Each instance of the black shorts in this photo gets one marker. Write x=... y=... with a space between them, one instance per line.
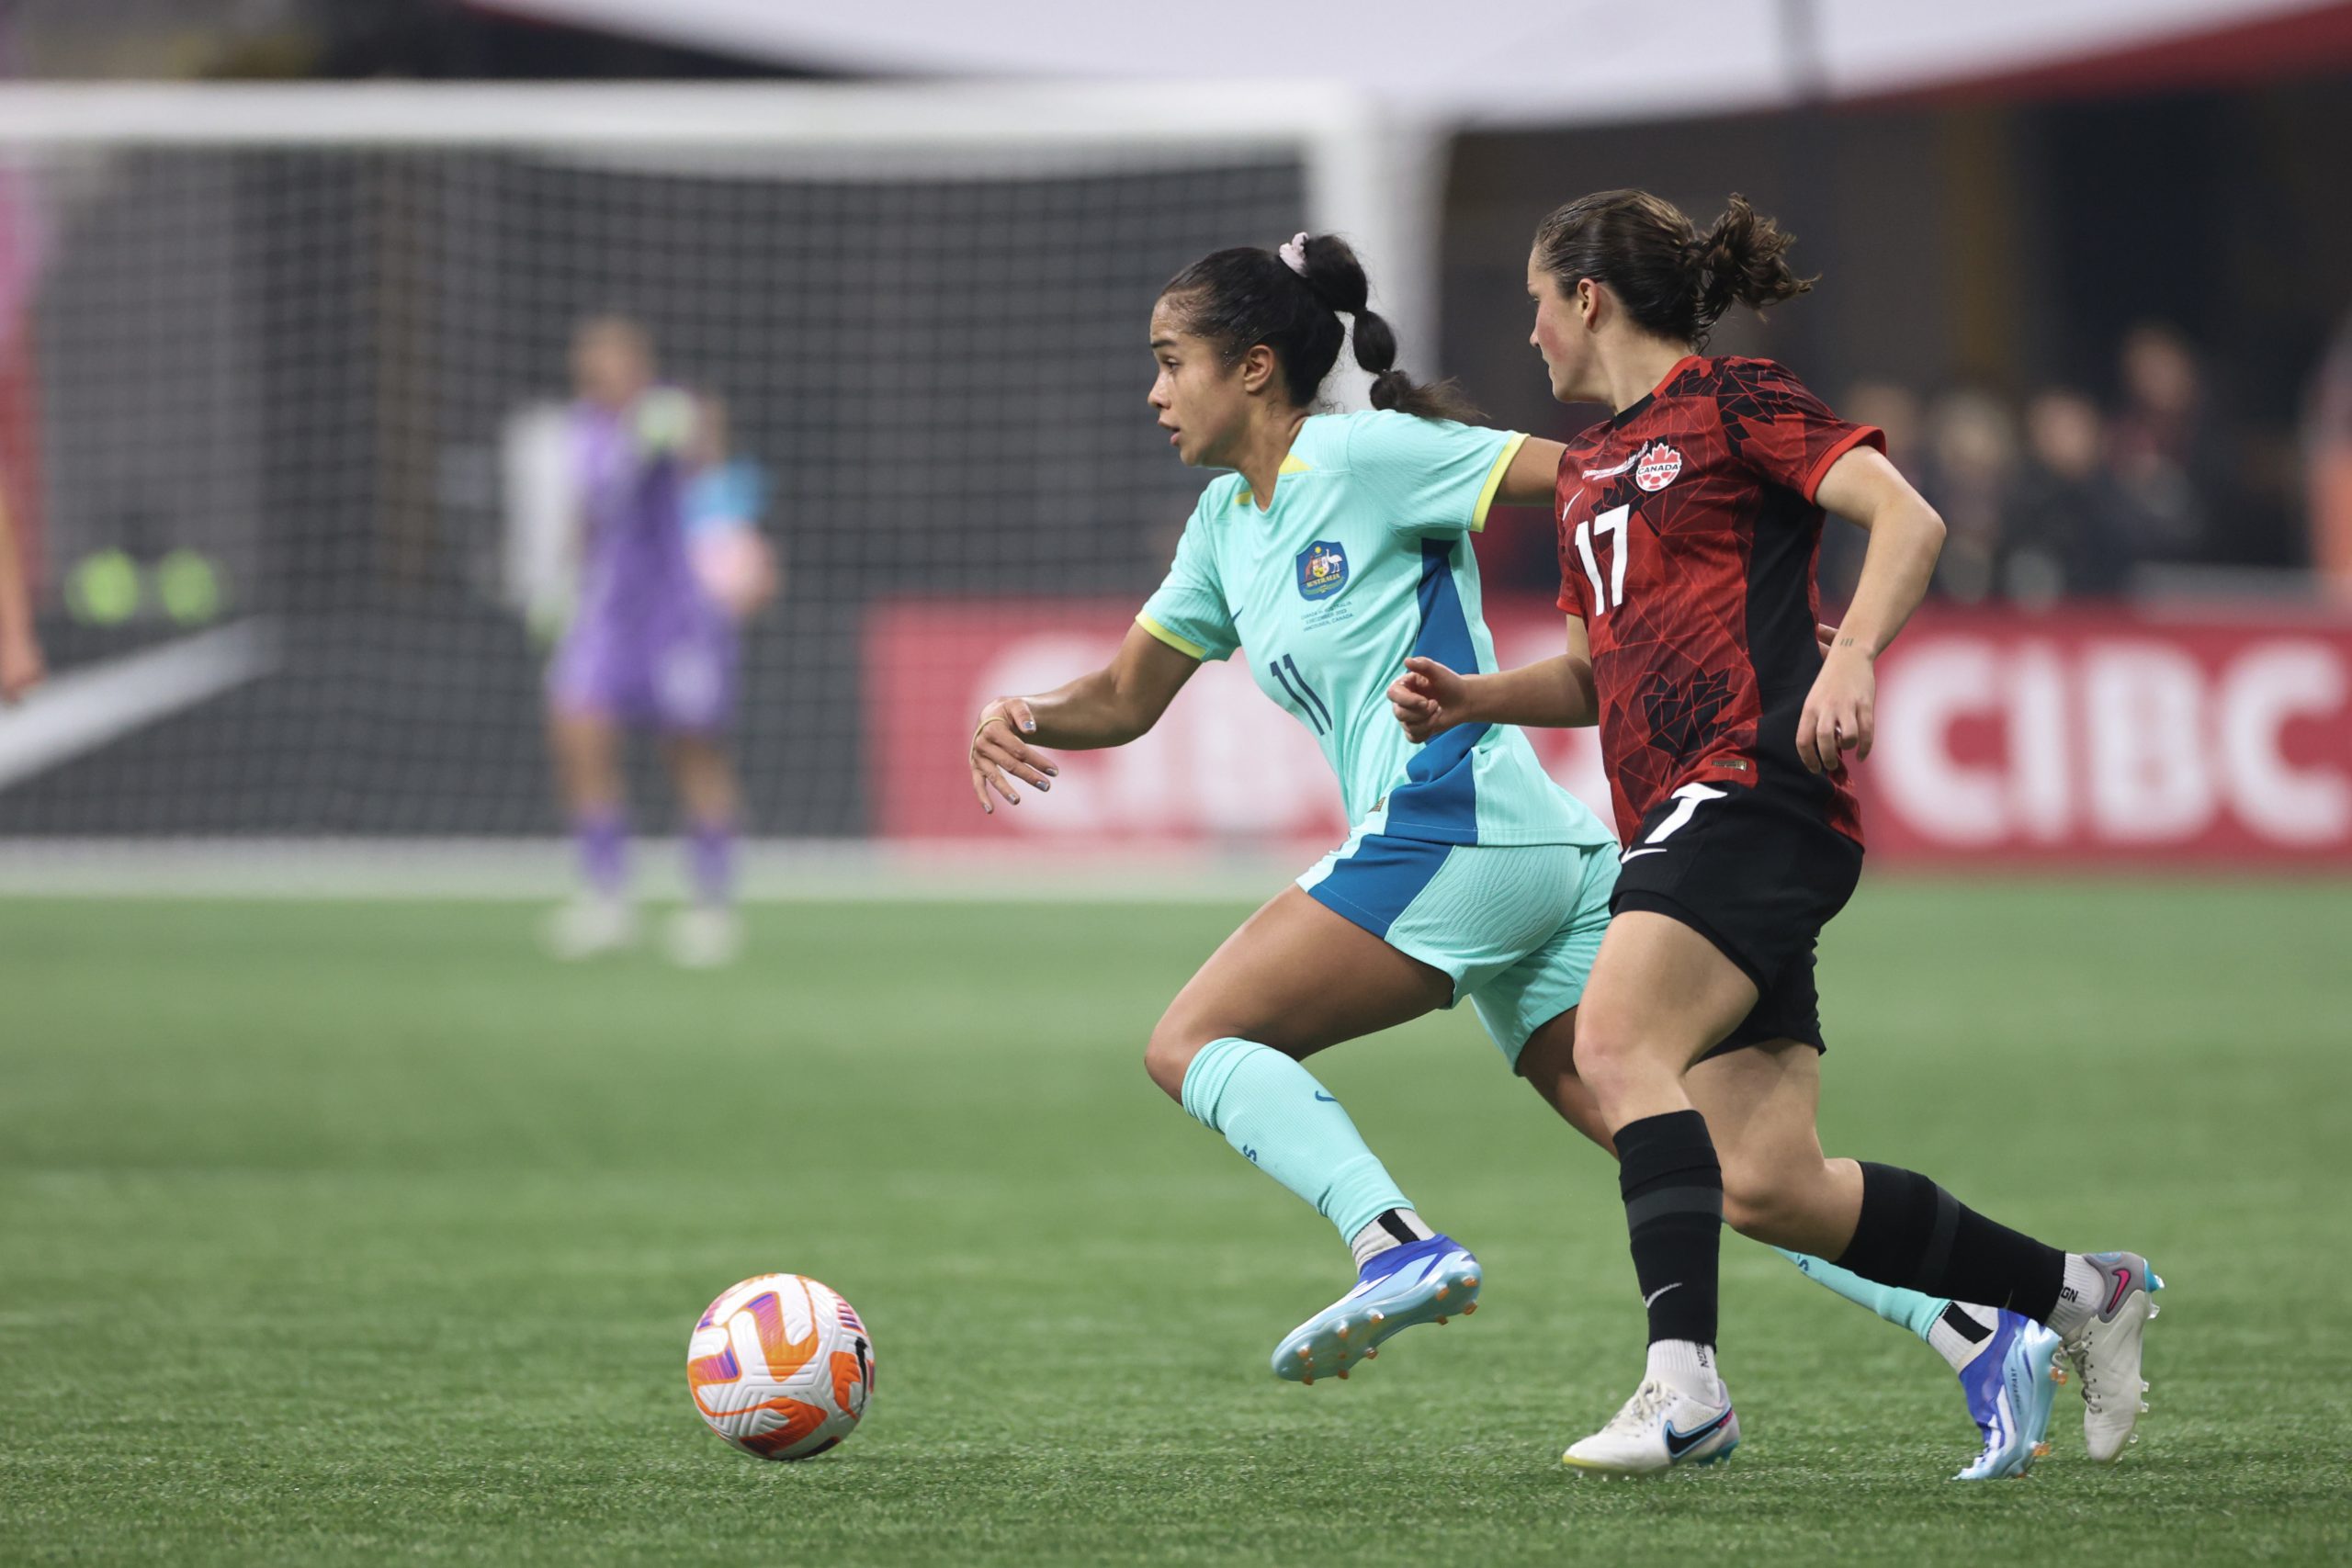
x=1755 y=874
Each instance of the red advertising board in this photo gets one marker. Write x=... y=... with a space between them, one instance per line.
x=2077 y=737
x=2088 y=736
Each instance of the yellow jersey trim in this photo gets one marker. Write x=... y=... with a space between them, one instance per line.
x=1292 y=463
x=1495 y=478
x=1180 y=643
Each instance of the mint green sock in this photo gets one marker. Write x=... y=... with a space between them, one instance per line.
x=1283 y=1122
x=1913 y=1310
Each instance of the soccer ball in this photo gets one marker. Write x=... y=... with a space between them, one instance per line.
x=780 y=1366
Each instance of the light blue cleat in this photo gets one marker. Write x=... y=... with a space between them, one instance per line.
x=1419 y=1282
x=2010 y=1387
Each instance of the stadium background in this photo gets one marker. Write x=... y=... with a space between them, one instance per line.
x=295 y=363
x=421 y=1216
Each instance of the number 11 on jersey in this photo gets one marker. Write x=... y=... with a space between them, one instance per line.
x=1611 y=591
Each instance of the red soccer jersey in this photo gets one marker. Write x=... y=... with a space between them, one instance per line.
x=1688 y=540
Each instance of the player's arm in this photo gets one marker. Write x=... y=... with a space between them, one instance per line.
x=1108 y=708
x=1535 y=470
x=20 y=663
x=1552 y=694
x=1905 y=538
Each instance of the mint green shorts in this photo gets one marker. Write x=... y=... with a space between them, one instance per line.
x=1515 y=927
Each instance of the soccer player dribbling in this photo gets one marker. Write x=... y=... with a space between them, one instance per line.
x=1690 y=522
x=650 y=645
x=1333 y=551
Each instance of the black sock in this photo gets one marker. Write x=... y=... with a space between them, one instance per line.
x=1673 y=1187
x=1916 y=1235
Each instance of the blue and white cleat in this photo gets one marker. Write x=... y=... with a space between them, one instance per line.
x=1419 y=1282
x=2010 y=1387
x=1658 y=1428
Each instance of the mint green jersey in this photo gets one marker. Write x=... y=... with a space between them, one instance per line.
x=1363 y=558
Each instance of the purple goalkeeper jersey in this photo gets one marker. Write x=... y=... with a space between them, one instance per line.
x=648 y=646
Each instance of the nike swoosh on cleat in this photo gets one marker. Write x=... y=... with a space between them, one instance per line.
x=2122 y=1286
x=1327 y=1098
x=1653 y=1295
x=1680 y=1443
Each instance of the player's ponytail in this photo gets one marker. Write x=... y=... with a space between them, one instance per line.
x=1291 y=300
x=1742 y=259
x=1338 y=280
x=1672 y=280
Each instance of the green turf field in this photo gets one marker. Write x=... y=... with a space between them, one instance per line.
x=357 y=1232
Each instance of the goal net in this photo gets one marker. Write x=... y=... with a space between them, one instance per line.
x=281 y=381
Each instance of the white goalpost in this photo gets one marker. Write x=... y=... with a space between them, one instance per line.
x=268 y=346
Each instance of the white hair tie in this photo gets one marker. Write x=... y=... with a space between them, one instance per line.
x=1295 y=253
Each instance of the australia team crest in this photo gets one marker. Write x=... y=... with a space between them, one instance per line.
x=1322 y=569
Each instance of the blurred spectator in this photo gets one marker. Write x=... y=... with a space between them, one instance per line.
x=2070 y=527
x=2067 y=499
x=1971 y=459
x=2170 y=458
x=2327 y=437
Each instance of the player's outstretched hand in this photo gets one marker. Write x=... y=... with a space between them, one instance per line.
x=998 y=749
x=1428 y=698
x=1838 y=712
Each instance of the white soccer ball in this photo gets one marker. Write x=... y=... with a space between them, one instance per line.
x=780 y=1366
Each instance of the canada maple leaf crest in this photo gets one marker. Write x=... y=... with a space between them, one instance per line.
x=1656 y=467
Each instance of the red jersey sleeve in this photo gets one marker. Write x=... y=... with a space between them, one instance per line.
x=1572 y=596
x=1781 y=430
x=1572 y=583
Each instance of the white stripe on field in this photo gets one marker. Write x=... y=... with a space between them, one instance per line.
x=507 y=869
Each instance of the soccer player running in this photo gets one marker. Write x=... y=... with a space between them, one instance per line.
x=1334 y=550
x=1690 y=521
x=648 y=645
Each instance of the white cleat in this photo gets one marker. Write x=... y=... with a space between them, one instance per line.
x=1658 y=1428
x=590 y=927
x=704 y=938
x=2106 y=1354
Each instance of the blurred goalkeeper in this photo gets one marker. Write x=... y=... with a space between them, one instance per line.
x=652 y=645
